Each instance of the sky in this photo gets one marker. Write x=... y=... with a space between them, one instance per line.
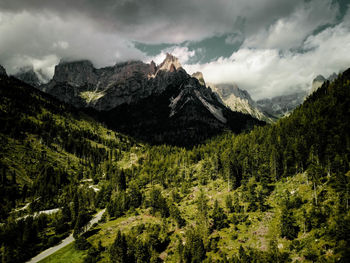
x=267 y=47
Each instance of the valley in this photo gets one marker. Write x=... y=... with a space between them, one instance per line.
x=265 y=193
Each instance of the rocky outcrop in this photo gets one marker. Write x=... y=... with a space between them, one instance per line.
x=77 y=73
x=199 y=75
x=234 y=98
x=170 y=63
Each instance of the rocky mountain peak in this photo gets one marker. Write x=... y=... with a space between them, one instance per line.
x=281 y=106
x=317 y=83
x=226 y=90
x=2 y=71
x=153 y=67
x=199 y=75
x=238 y=100
x=319 y=78
x=333 y=77
x=76 y=73
x=29 y=76
x=170 y=63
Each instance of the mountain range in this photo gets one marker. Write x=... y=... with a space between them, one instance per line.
x=154 y=103
x=161 y=103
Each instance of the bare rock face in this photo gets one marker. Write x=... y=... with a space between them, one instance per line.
x=106 y=88
x=153 y=67
x=2 y=71
x=238 y=100
x=199 y=75
x=234 y=98
x=76 y=73
x=170 y=63
x=82 y=85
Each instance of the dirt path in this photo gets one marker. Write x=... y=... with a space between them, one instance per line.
x=65 y=241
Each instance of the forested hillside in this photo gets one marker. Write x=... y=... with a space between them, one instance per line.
x=51 y=157
x=279 y=193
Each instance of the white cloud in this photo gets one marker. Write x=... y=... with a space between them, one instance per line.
x=38 y=38
x=182 y=53
x=270 y=72
x=45 y=64
x=163 y=21
x=61 y=44
x=290 y=31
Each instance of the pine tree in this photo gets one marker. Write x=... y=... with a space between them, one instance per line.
x=194 y=251
x=289 y=229
x=118 y=250
x=219 y=217
x=229 y=203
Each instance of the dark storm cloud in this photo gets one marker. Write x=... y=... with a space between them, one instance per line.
x=41 y=32
x=156 y=21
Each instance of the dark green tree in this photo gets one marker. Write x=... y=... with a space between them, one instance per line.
x=219 y=217
x=289 y=228
x=194 y=251
x=118 y=250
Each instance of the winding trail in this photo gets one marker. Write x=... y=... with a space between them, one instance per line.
x=65 y=241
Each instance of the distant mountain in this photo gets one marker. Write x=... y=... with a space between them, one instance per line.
x=280 y=106
x=31 y=77
x=317 y=83
x=319 y=80
x=238 y=100
x=154 y=103
x=333 y=77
